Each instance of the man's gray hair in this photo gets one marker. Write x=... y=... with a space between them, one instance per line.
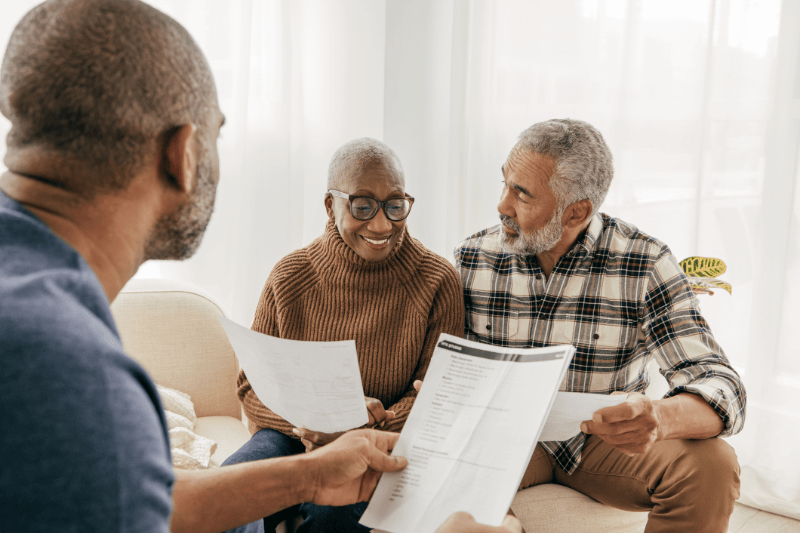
x=355 y=156
x=584 y=164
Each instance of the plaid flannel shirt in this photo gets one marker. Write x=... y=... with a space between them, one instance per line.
x=620 y=297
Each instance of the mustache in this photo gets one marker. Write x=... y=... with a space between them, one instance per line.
x=510 y=222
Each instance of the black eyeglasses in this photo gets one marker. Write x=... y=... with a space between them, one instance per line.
x=366 y=207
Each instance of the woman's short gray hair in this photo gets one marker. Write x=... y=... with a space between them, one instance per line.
x=584 y=164
x=355 y=156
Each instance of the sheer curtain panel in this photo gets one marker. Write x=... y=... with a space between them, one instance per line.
x=698 y=99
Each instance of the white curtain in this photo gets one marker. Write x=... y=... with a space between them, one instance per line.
x=698 y=99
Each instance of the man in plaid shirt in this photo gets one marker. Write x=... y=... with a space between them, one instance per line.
x=556 y=271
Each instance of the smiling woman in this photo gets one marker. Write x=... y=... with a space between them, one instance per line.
x=366 y=279
x=370 y=171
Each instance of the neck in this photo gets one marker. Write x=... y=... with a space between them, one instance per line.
x=548 y=259
x=109 y=231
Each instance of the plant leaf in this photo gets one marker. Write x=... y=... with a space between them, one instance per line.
x=703 y=267
x=722 y=285
x=706 y=283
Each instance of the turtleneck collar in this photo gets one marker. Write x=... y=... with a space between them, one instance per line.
x=402 y=260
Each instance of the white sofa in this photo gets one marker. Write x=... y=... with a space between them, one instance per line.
x=171 y=328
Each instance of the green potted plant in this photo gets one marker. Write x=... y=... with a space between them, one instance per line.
x=702 y=273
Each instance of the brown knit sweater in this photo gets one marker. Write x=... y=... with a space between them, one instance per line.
x=395 y=310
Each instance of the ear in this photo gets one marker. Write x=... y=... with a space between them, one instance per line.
x=180 y=158
x=329 y=205
x=578 y=214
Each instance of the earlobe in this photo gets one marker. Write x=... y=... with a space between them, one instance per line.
x=180 y=157
x=329 y=205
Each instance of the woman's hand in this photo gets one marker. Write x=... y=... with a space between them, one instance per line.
x=378 y=416
x=312 y=440
x=315 y=439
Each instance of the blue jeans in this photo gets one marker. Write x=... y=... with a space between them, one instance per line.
x=268 y=443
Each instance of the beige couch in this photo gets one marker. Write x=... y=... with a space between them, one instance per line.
x=171 y=328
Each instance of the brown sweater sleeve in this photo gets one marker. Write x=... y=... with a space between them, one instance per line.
x=258 y=414
x=446 y=316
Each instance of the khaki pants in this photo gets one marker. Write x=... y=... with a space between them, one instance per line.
x=686 y=485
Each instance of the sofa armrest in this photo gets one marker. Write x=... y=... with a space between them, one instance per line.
x=171 y=328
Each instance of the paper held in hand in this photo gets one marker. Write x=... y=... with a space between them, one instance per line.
x=313 y=385
x=470 y=435
x=570 y=409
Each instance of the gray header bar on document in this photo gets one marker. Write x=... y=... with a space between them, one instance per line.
x=555 y=353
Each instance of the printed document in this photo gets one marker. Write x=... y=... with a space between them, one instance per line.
x=313 y=385
x=470 y=435
x=572 y=408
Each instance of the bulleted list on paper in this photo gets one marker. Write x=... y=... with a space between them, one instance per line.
x=469 y=436
x=315 y=385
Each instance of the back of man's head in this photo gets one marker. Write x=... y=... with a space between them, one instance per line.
x=97 y=84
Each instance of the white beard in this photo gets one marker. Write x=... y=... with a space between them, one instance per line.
x=536 y=242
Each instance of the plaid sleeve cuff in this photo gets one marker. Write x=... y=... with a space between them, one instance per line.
x=725 y=396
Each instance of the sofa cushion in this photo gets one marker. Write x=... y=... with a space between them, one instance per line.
x=552 y=508
x=229 y=433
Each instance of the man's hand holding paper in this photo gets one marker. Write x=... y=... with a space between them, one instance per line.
x=570 y=410
x=348 y=470
x=631 y=427
x=629 y=422
x=635 y=426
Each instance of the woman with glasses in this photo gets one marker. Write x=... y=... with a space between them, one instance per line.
x=366 y=279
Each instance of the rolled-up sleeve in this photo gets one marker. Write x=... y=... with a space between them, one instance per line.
x=684 y=347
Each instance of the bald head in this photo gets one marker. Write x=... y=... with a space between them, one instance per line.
x=99 y=83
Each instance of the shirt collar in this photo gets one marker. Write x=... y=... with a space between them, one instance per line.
x=585 y=245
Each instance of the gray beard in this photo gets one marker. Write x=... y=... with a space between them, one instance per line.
x=533 y=243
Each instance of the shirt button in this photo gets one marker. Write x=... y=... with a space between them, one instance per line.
x=596 y=336
x=488 y=326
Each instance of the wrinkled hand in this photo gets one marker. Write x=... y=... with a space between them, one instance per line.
x=378 y=416
x=315 y=439
x=462 y=522
x=347 y=470
x=631 y=427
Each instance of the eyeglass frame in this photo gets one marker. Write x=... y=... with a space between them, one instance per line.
x=381 y=204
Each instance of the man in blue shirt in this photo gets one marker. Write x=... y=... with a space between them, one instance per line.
x=112 y=160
